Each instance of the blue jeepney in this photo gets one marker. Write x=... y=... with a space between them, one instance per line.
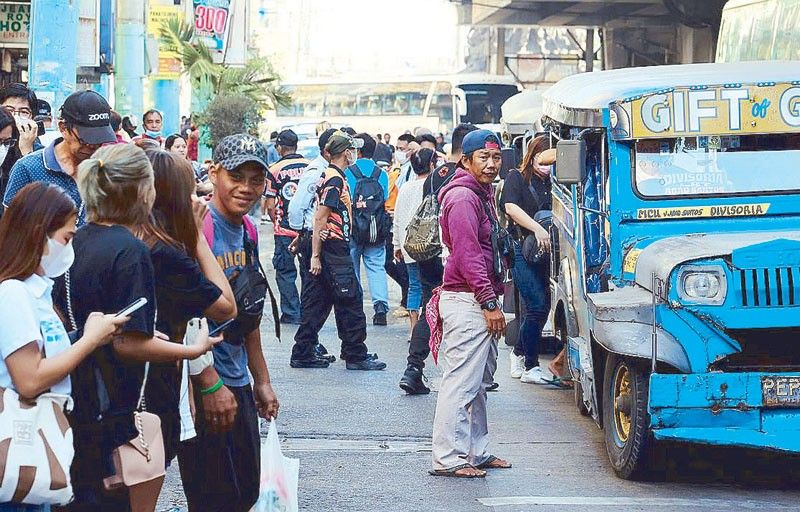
x=676 y=262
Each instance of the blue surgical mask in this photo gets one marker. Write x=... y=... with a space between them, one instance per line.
x=153 y=134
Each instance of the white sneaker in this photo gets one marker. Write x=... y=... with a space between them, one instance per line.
x=517 y=365
x=533 y=376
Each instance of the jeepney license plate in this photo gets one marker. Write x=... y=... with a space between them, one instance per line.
x=780 y=391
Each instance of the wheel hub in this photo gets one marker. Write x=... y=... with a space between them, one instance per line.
x=622 y=403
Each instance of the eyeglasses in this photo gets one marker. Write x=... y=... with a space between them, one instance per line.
x=9 y=142
x=24 y=113
x=83 y=142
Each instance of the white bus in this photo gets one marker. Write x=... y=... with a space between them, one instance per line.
x=394 y=106
x=759 y=30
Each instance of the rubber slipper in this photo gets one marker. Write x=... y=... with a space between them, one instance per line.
x=452 y=472
x=487 y=464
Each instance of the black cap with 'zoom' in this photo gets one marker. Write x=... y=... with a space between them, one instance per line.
x=91 y=115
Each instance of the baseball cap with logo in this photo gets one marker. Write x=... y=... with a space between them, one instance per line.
x=286 y=138
x=43 y=109
x=235 y=150
x=341 y=142
x=91 y=115
x=480 y=139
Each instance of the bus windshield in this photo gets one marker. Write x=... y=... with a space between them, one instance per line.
x=759 y=30
x=484 y=102
x=702 y=166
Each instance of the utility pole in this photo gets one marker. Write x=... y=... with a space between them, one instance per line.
x=53 y=51
x=130 y=54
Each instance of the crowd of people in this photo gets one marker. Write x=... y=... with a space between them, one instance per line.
x=131 y=283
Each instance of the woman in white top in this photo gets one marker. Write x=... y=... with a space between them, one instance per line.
x=35 y=246
x=408 y=200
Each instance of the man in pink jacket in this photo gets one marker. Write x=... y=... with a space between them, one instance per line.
x=472 y=320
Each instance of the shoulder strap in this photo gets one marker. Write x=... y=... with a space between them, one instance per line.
x=356 y=171
x=376 y=173
x=252 y=232
x=208 y=230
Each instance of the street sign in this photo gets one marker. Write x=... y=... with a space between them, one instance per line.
x=168 y=63
x=15 y=20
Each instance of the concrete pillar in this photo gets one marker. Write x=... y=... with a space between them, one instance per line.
x=500 y=52
x=53 y=47
x=130 y=58
x=166 y=98
x=695 y=45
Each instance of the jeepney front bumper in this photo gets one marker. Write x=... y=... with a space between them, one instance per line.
x=756 y=410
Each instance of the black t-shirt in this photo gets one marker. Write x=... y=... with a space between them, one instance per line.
x=531 y=198
x=112 y=269
x=439 y=178
x=182 y=293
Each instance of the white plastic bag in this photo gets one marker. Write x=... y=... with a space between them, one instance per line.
x=279 y=477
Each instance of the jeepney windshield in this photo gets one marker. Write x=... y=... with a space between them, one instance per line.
x=714 y=165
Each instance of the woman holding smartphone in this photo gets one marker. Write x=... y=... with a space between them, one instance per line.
x=189 y=282
x=112 y=269
x=36 y=246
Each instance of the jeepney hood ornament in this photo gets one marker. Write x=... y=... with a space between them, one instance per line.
x=663 y=256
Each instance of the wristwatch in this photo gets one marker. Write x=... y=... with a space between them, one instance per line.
x=489 y=305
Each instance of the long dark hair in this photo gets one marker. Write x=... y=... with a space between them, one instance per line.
x=172 y=220
x=14 y=153
x=535 y=146
x=35 y=213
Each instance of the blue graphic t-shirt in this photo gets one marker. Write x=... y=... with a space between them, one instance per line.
x=230 y=359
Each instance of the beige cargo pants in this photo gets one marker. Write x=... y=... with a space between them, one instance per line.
x=468 y=359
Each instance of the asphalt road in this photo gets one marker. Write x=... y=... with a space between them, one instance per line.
x=365 y=446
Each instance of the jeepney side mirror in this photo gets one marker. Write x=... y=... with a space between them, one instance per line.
x=571 y=162
x=461 y=101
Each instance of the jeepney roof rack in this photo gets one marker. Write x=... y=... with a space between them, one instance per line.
x=580 y=100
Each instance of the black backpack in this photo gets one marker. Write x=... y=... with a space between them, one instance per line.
x=371 y=223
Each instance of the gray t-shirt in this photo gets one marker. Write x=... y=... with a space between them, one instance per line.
x=230 y=359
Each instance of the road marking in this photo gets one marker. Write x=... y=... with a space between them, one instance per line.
x=355 y=445
x=608 y=501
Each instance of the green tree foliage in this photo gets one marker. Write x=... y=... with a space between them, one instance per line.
x=257 y=80
x=228 y=114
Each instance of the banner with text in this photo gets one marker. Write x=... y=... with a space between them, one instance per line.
x=169 y=62
x=15 y=20
x=211 y=21
x=718 y=110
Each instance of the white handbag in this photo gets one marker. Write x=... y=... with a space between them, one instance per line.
x=36 y=449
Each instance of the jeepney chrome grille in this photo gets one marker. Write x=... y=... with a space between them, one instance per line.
x=763 y=287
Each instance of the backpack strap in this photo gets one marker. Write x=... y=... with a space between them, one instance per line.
x=356 y=172
x=208 y=230
x=376 y=173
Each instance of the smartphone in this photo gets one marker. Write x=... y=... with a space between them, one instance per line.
x=221 y=327
x=133 y=306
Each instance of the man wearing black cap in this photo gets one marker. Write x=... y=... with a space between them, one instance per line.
x=281 y=188
x=332 y=283
x=85 y=125
x=220 y=468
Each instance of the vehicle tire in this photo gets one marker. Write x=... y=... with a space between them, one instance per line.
x=625 y=418
x=578 y=390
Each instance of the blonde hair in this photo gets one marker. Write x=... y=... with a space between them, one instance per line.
x=116 y=185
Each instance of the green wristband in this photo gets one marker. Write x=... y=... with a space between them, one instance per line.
x=213 y=388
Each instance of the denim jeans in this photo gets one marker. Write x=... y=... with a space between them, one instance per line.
x=533 y=284
x=286 y=276
x=374 y=259
x=397 y=271
x=414 y=287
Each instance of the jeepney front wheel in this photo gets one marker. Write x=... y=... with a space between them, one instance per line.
x=625 y=418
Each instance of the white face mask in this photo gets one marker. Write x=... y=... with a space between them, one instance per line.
x=3 y=153
x=58 y=258
x=401 y=157
x=351 y=158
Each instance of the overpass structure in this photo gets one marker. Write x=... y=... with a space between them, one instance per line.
x=609 y=33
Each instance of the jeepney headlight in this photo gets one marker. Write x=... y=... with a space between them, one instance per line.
x=702 y=284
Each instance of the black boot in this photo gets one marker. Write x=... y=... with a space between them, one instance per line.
x=412 y=382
